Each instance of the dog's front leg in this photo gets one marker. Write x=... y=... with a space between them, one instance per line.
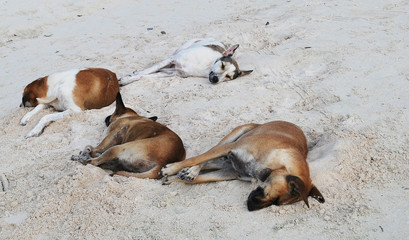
x=114 y=138
x=28 y=115
x=45 y=121
x=83 y=156
x=109 y=155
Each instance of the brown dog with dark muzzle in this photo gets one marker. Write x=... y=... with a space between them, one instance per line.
x=274 y=153
x=136 y=146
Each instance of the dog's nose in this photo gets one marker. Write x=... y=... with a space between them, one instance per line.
x=213 y=79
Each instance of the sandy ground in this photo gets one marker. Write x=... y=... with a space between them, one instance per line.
x=338 y=69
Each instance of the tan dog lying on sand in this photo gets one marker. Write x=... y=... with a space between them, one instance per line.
x=274 y=153
x=136 y=146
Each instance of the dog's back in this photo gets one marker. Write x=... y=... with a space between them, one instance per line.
x=95 y=88
x=162 y=144
x=282 y=134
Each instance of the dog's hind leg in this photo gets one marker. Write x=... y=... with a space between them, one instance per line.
x=152 y=173
x=237 y=133
x=168 y=72
x=139 y=75
x=215 y=176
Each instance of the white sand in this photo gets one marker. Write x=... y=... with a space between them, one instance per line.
x=338 y=70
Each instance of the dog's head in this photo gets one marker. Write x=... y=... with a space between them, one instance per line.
x=33 y=91
x=226 y=68
x=281 y=190
x=122 y=111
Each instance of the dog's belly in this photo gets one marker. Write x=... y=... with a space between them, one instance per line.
x=196 y=61
x=244 y=163
x=135 y=160
x=138 y=166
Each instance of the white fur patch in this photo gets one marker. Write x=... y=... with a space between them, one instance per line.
x=278 y=158
x=245 y=163
x=60 y=87
x=229 y=68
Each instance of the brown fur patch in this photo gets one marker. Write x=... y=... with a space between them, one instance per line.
x=95 y=88
x=36 y=89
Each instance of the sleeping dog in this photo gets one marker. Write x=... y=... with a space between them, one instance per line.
x=70 y=91
x=274 y=153
x=135 y=146
x=196 y=58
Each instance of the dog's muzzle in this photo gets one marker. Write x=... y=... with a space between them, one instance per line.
x=26 y=104
x=254 y=201
x=213 y=78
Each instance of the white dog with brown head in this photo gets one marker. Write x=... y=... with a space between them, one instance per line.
x=196 y=58
x=69 y=91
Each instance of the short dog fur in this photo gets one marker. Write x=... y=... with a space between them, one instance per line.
x=204 y=57
x=135 y=146
x=274 y=153
x=69 y=91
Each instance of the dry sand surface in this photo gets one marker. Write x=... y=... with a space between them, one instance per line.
x=338 y=69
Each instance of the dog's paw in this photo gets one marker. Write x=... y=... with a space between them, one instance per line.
x=80 y=158
x=125 y=80
x=34 y=133
x=88 y=149
x=169 y=170
x=23 y=122
x=169 y=179
x=165 y=179
x=84 y=156
x=189 y=174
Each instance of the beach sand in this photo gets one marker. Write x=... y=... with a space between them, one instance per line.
x=337 y=69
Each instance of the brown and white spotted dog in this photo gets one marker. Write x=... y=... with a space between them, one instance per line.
x=69 y=91
x=274 y=153
x=135 y=146
x=196 y=58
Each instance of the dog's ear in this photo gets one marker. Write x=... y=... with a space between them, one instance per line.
x=108 y=120
x=229 y=52
x=264 y=174
x=244 y=73
x=297 y=188
x=154 y=118
x=316 y=194
x=120 y=106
